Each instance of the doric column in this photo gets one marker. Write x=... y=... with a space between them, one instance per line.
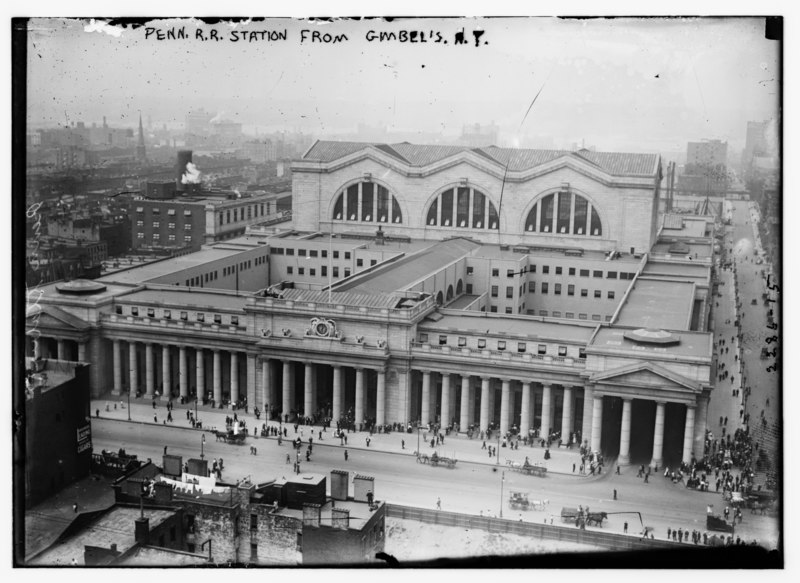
x=484 y=402
x=566 y=415
x=426 y=398
x=149 y=381
x=525 y=409
x=217 y=378
x=359 y=395
x=200 y=370
x=166 y=373
x=504 y=398
x=117 y=367
x=445 y=400
x=465 y=399
x=287 y=387
x=308 y=397
x=658 y=436
x=688 y=434
x=597 y=422
x=588 y=409
x=132 y=368
x=546 y=396
x=61 y=348
x=700 y=422
x=471 y=404
x=250 y=386
x=380 y=405
x=625 y=433
x=337 y=392
x=82 y=351
x=265 y=387
x=183 y=374
x=234 y=377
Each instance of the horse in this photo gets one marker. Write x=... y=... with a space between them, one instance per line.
x=596 y=518
x=539 y=504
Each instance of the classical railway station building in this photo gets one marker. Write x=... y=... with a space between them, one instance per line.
x=530 y=289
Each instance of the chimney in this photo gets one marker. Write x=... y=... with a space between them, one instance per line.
x=340 y=518
x=362 y=485
x=142 y=531
x=339 y=484
x=312 y=514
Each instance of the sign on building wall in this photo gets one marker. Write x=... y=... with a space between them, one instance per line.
x=84 y=438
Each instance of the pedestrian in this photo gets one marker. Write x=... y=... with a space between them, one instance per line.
x=625 y=528
x=438 y=504
x=345 y=455
x=573 y=469
x=402 y=444
x=165 y=450
x=97 y=413
x=669 y=532
x=615 y=494
x=155 y=418
x=484 y=445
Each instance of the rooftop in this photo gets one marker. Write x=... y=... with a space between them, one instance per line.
x=359 y=513
x=660 y=304
x=697 y=344
x=189 y=298
x=515 y=160
x=530 y=327
x=358 y=299
x=116 y=526
x=150 y=271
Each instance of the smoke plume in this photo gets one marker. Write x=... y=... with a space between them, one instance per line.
x=192 y=174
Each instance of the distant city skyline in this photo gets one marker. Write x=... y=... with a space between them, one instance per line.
x=621 y=84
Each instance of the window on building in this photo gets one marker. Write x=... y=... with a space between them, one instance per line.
x=234 y=320
x=313 y=253
x=533 y=268
x=254 y=522
x=187 y=213
x=469 y=289
x=556 y=314
x=139 y=209
x=545 y=287
x=582 y=316
x=562 y=350
x=570 y=314
x=584 y=273
x=289 y=251
x=253 y=551
x=597 y=273
x=442 y=339
x=118 y=309
x=324 y=254
x=509 y=292
x=557 y=289
x=598 y=293
x=336 y=255
x=347 y=254
x=151 y=312
x=187 y=239
x=312 y=272
x=545 y=269
x=495 y=271
x=481 y=342
x=140 y=223
x=494 y=291
x=510 y=273
x=140 y=235
x=156 y=224
x=324 y=270
x=156 y=210
x=301 y=271
x=290 y=269
x=596 y=317
x=571 y=271
x=521 y=347
x=184 y=315
x=470 y=270
x=134 y=311
x=462 y=341
x=423 y=337
x=347 y=272
x=558 y=271
x=611 y=275
x=509 y=310
x=217 y=319
x=541 y=349
x=570 y=289
x=335 y=272
x=543 y=312
x=171 y=238
x=501 y=345
x=493 y=309
x=200 y=317
x=301 y=252
x=611 y=295
x=359 y=262
x=584 y=293
x=170 y=225
x=581 y=353
x=532 y=287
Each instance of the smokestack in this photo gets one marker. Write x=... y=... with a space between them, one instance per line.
x=142 y=530
x=184 y=158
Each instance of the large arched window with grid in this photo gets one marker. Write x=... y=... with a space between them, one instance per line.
x=564 y=213
x=462 y=207
x=367 y=202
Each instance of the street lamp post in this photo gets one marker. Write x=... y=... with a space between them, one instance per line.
x=502 y=483
x=129 y=405
x=418 y=438
x=202 y=444
x=196 y=419
x=497 y=449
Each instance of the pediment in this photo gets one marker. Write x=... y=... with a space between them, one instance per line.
x=646 y=375
x=51 y=317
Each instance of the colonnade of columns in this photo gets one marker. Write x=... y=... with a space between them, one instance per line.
x=40 y=348
x=184 y=375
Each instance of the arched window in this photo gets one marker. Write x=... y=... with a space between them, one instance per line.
x=564 y=213
x=439 y=299
x=367 y=202
x=464 y=208
x=449 y=292
x=459 y=287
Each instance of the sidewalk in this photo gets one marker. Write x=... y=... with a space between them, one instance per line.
x=455 y=446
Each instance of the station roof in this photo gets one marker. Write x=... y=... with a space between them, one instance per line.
x=529 y=327
x=514 y=159
x=357 y=299
x=404 y=272
x=189 y=298
x=697 y=344
x=150 y=271
x=657 y=303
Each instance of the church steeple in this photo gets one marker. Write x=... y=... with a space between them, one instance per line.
x=141 y=152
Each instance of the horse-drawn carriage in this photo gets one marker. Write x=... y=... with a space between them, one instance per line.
x=718 y=523
x=435 y=459
x=230 y=437
x=527 y=468
x=519 y=501
x=581 y=517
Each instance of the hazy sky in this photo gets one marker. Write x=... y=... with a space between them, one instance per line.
x=621 y=83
